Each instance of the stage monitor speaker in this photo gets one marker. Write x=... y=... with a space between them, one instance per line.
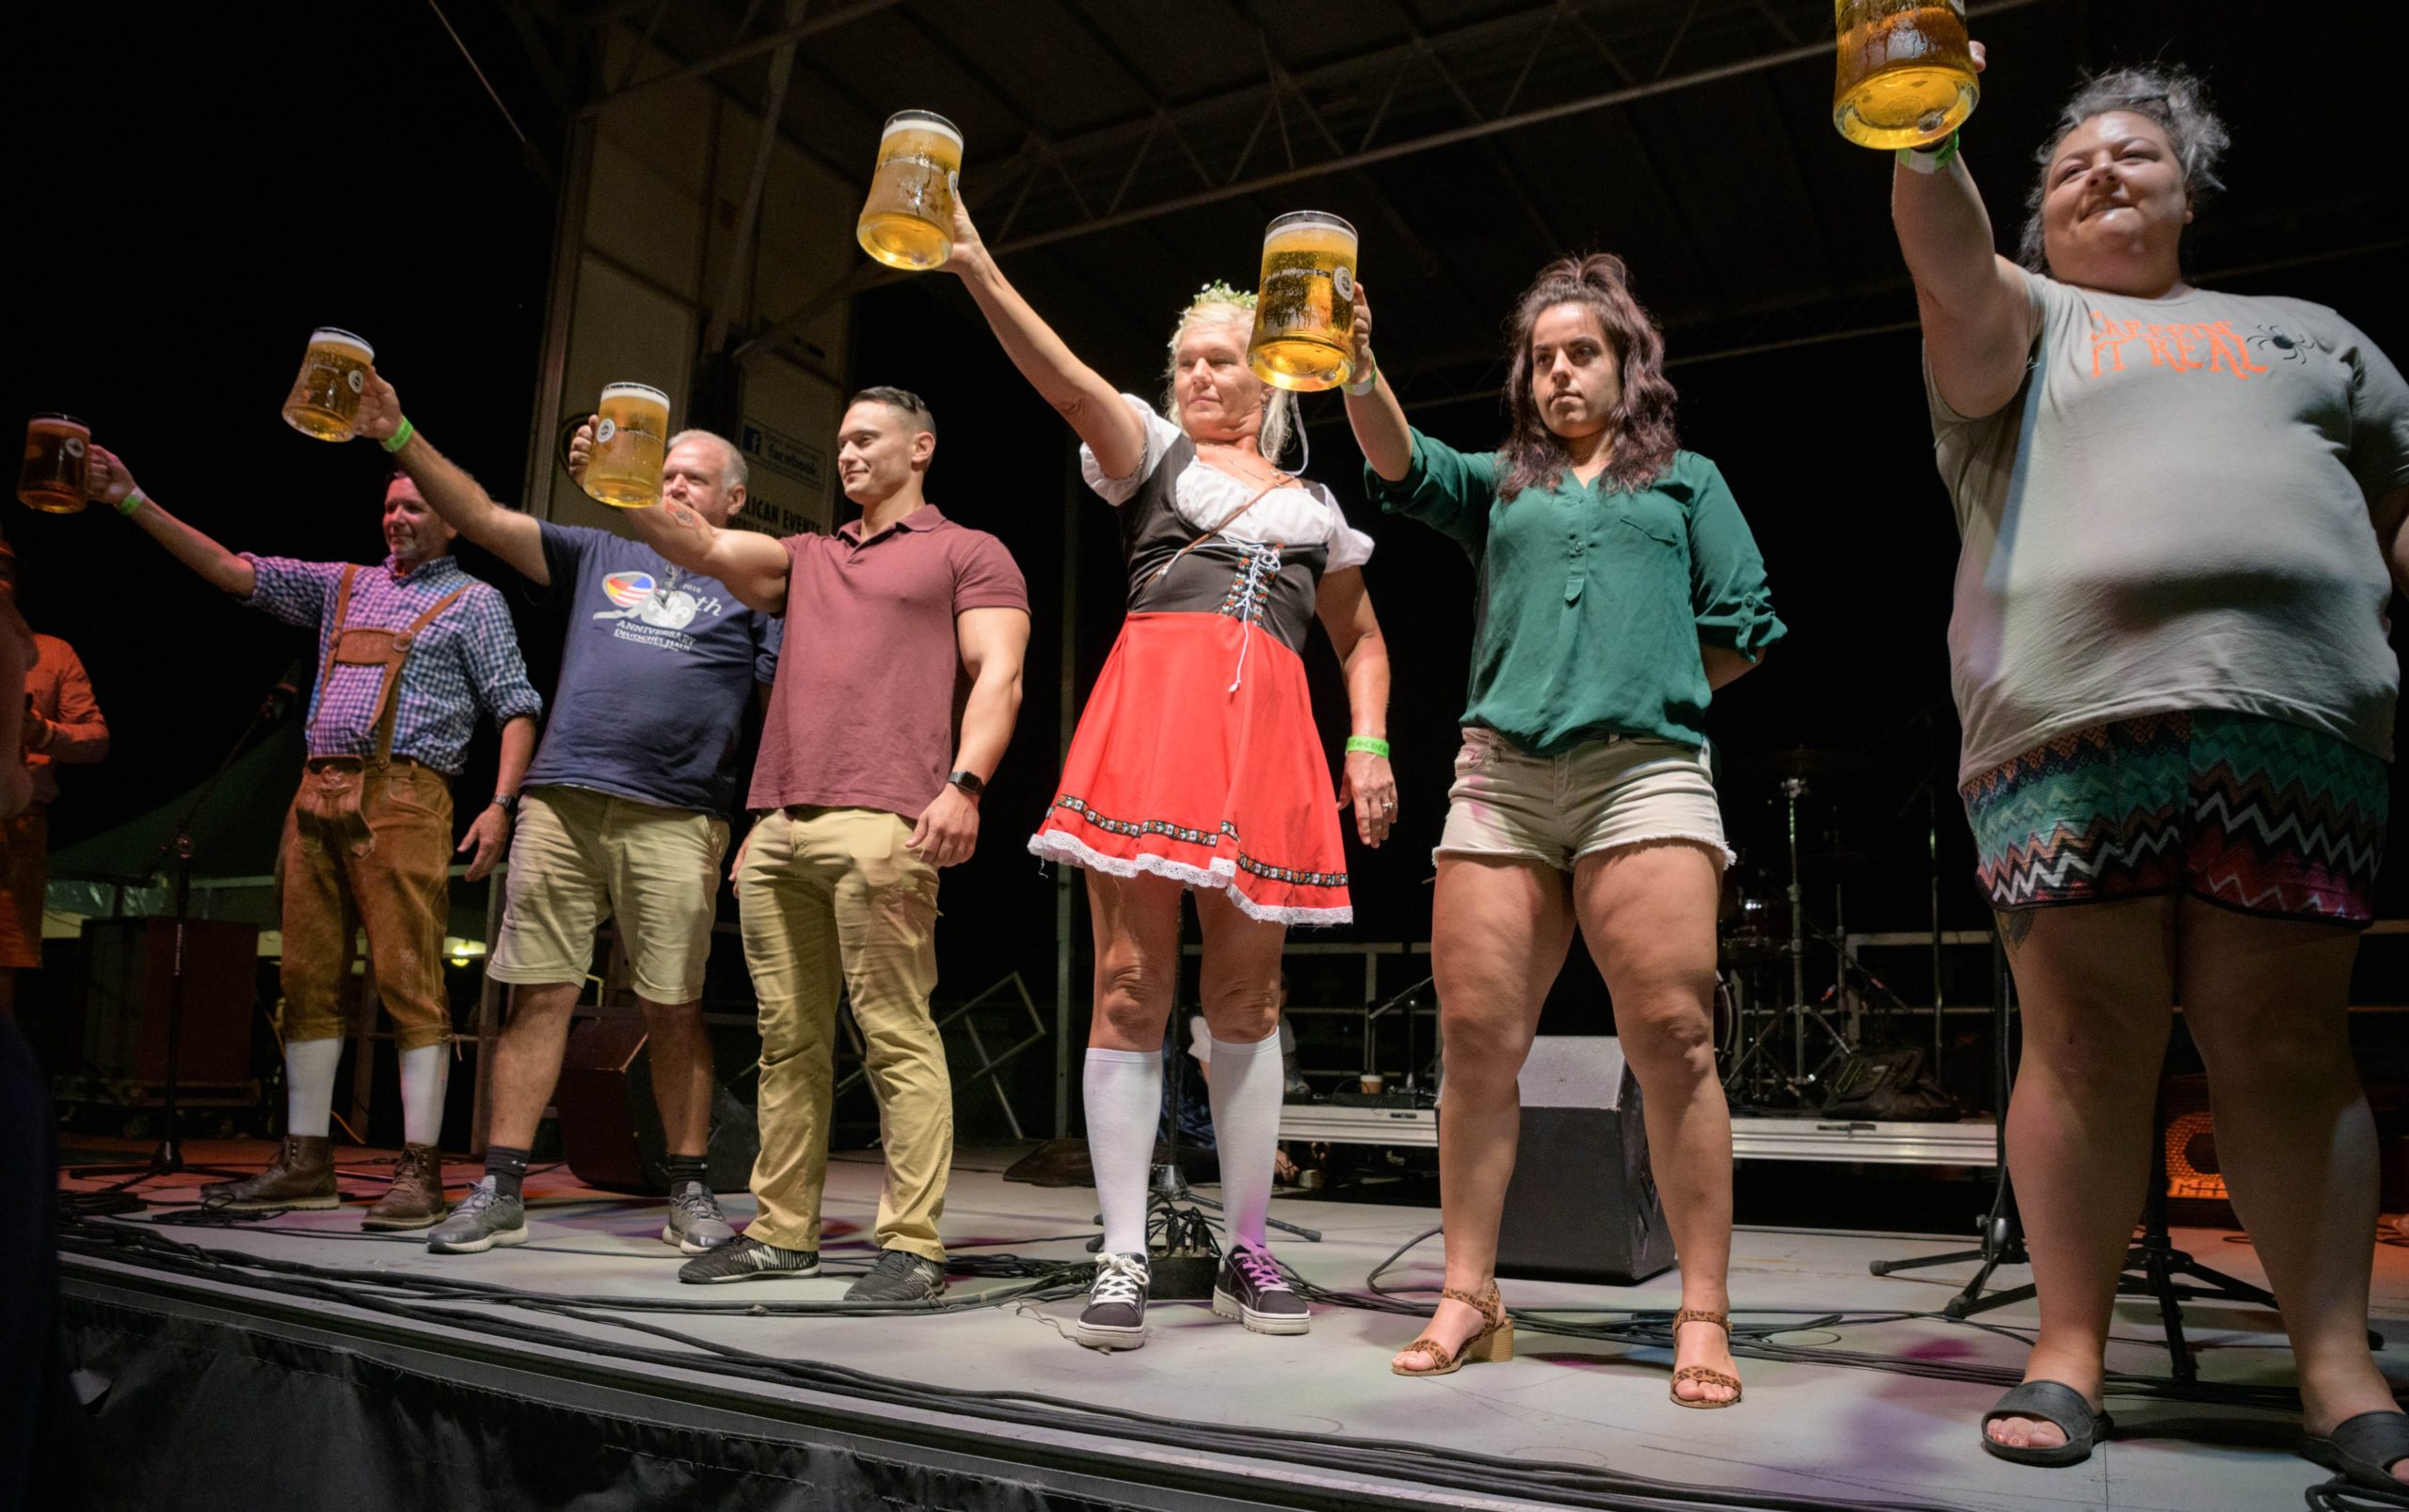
x=611 y=1127
x=1583 y=1205
x=129 y=967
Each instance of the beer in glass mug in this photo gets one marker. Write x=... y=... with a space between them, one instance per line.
x=324 y=402
x=51 y=479
x=1304 y=312
x=908 y=221
x=1906 y=74
x=629 y=442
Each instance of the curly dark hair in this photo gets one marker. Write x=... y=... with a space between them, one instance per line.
x=1642 y=424
x=2167 y=93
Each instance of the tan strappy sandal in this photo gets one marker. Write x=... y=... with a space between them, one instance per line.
x=1699 y=1373
x=1493 y=1341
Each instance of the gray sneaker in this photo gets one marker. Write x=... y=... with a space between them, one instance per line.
x=898 y=1277
x=695 y=1224
x=745 y=1259
x=1115 y=1317
x=484 y=1219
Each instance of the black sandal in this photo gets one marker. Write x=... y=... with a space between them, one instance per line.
x=2054 y=1403
x=2363 y=1450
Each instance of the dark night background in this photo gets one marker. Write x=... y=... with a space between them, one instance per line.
x=215 y=182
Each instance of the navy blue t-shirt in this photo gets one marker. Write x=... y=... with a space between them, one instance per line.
x=654 y=675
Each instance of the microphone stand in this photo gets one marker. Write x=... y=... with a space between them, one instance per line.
x=168 y=1157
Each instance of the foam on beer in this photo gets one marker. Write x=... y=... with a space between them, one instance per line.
x=330 y=336
x=644 y=390
x=1283 y=228
x=931 y=125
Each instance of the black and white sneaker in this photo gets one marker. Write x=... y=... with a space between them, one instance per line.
x=1116 y=1311
x=484 y=1219
x=695 y=1224
x=898 y=1277
x=1251 y=1289
x=748 y=1259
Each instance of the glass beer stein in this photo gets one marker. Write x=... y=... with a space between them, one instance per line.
x=51 y=479
x=1304 y=311
x=907 y=222
x=1906 y=74
x=630 y=440
x=324 y=402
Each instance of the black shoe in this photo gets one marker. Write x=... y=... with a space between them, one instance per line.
x=749 y=1259
x=1251 y=1289
x=1116 y=1311
x=898 y=1277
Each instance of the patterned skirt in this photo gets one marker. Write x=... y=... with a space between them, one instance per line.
x=1197 y=759
x=2255 y=813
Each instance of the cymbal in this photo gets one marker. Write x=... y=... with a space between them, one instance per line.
x=1801 y=761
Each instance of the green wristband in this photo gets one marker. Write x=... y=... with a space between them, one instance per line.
x=400 y=438
x=1929 y=159
x=1369 y=744
x=131 y=502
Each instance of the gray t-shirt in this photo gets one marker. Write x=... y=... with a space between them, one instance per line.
x=2175 y=513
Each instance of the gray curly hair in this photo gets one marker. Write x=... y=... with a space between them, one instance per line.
x=1220 y=302
x=2169 y=94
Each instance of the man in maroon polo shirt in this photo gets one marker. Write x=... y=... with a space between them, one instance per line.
x=866 y=787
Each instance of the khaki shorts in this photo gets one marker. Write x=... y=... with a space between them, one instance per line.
x=1618 y=790
x=578 y=857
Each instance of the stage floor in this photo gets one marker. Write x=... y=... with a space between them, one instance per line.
x=1836 y=1434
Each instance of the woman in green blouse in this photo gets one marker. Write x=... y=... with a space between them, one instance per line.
x=1618 y=586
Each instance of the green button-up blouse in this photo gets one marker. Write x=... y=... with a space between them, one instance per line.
x=1594 y=602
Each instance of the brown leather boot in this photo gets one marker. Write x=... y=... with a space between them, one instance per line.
x=302 y=1176
x=415 y=1201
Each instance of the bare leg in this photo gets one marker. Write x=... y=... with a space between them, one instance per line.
x=1648 y=912
x=2097 y=989
x=1136 y=960
x=1136 y=973
x=681 y=1074
x=1498 y=933
x=527 y=1061
x=1240 y=992
x=2267 y=1002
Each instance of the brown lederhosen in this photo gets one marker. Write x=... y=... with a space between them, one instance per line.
x=368 y=845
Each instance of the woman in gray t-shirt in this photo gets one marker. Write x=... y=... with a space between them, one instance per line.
x=2180 y=513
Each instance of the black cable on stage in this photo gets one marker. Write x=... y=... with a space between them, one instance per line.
x=1414 y=1463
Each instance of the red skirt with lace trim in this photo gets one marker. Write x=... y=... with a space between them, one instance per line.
x=1197 y=759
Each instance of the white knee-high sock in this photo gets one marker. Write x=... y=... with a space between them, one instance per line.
x=425 y=1072
x=1124 y=1099
x=310 y=1085
x=1246 y=1127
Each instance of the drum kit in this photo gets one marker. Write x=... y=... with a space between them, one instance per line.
x=1784 y=924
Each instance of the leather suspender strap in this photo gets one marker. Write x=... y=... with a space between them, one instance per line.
x=389 y=701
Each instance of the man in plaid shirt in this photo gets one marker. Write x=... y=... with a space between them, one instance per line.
x=409 y=651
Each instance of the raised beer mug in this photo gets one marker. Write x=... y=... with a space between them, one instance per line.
x=324 y=402
x=1305 y=310
x=907 y=222
x=51 y=479
x=630 y=435
x=1907 y=72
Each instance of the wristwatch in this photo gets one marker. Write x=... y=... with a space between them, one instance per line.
x=507 y=803
x=969 y=782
